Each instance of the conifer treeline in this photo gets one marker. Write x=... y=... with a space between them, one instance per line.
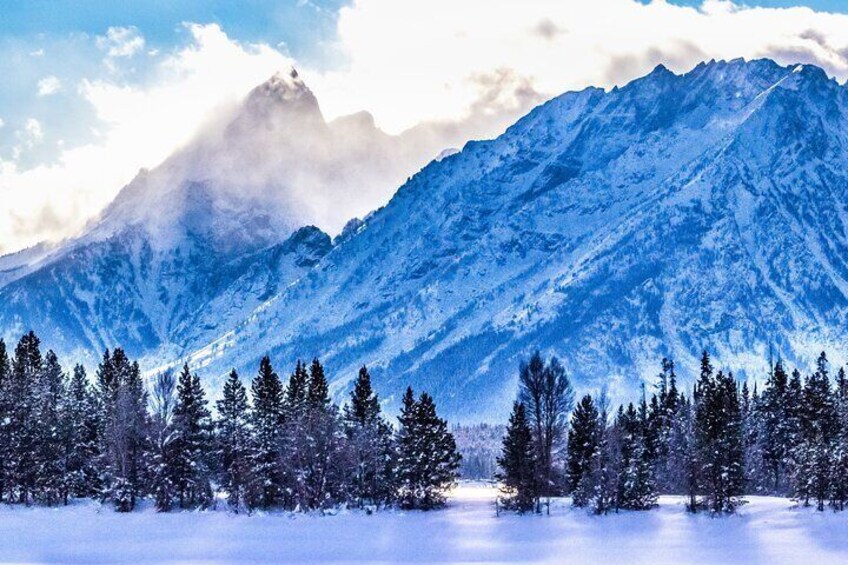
x=283 y=446
x=720 y=442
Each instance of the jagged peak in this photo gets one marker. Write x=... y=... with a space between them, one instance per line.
x=281 y=86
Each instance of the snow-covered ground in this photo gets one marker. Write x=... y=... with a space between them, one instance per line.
x=768 y=530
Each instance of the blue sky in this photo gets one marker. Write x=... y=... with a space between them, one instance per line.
x=92 y=91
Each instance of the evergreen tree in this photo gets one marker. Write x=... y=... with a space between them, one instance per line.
x=49 y=420
x=316 y=455
x=718 y=438
x=813 y=452
x=839 y=473
x=80 y=439
x=266 y=485
x=297 y=391
x=124 y=430
x=318 y=391
x=193 y=443
x=518 y=464
x=637 y=489
x=6 y=456
x=427 y=463
x=27 y=368
x=234 y=442
x=371 y=443
x=776 y=426
x=583 y=448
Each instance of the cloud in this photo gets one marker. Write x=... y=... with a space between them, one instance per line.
x=2 y=123
x=121 y=41
x=139 y=125
x=415 y=61
x=49 y=85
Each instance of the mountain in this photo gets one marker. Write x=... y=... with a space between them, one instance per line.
x=610 y=228
x=676 y=213
x=189 y=248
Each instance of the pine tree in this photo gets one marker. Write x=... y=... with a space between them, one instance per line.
x=296 y=391
x=193 y=443
x=267 y=478
x=583 y=449
x=49 y=485
x=839 y=472
x=776 y=429
x=718 y=439
x=813 y=463
x=316 y=456
x=372 y=445
x=123 y=431
x=27 y=368
x=318 y=391
x=637 y=489
x=6 y=456
x=234 y=442
x=80 y=441
x=518 y=464
x=428 y=462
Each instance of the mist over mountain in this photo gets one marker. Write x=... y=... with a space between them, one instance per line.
x=179 y=239
x=610 y=228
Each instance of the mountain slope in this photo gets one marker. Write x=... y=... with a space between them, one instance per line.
x=167 y=264
x=609 y=228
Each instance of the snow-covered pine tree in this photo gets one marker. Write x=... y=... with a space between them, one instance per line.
x=193 y=443
x=667 y=402
x=80 y=440
x=718 y=437
x=296 y=392
x=637 y=488
x=27 y=367
x=606 y=466
x=818 y=430
x=318 y=391
x=5 y=423
x=266 y=483
x=583 y=445
x=316 y=454
x=428 y=462
x=839 y=473
x=371 y=443
x=124 y=438
x=776 y=430
x=234 y=442
x=49 y=421
x=517 y=474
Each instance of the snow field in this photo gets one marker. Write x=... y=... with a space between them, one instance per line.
x=767 y=530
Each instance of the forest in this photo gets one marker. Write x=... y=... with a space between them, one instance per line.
x=285 y=445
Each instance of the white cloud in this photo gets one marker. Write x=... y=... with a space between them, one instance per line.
x=2 y=123
x=121 y=41
x=423 y=59
x=49 y=85
x=143 y=125
x=33 y=132
x=406 y=62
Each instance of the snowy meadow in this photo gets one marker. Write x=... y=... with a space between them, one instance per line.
x=766 y=530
